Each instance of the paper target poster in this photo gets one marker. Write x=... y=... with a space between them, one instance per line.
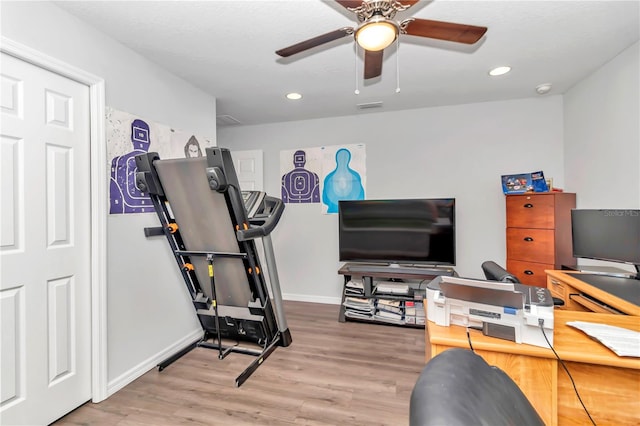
x=300 y=171
x=343 y=175
x=127 y=136
x=185 y=144
x=323 y=175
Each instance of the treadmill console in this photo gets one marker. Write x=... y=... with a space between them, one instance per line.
x=253 y=201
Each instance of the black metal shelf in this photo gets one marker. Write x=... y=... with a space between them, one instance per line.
x=369 y=287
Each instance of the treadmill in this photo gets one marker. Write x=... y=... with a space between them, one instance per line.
x=211 y=227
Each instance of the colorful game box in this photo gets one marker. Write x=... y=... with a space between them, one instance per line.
x=524 y=182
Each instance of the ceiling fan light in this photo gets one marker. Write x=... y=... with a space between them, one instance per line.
x=376 y=35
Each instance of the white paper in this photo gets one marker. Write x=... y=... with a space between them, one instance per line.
x=622 y=341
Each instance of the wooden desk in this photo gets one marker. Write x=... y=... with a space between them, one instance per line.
x=608 y=385
x=579 y=295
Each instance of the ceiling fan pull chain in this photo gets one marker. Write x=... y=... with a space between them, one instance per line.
x=397 y=64
x=355 y=67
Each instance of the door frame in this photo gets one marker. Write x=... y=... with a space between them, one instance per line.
x=98 y=187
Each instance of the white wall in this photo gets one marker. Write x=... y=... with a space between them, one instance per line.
x=148 y=309
x=456 y=151
x=602 y=136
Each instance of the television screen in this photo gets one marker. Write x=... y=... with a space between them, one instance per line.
x=410 y=231
x=612 y=235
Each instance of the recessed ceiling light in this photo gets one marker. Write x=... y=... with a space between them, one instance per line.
x=294 y=96
x=499 y=71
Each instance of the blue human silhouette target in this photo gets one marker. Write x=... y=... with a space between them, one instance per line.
x=300 y=185
x=342 y=183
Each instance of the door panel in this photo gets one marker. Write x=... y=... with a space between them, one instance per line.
x=12 y=206
x=249 y=168
x=12 y=350
x=45 y=244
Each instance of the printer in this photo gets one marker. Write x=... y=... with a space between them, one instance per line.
x=510 y=311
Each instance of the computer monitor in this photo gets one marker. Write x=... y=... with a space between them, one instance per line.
x=607 y=234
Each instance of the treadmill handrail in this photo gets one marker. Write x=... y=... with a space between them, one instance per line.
x=209 y=253
x=269 y=224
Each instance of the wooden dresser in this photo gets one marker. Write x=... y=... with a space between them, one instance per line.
x=538 y=234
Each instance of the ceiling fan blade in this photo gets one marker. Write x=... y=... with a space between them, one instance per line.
x=353 y=4
x=315 y=41
x=449 y=31
x=408 y=3
x=350 y=3
x=372 y=63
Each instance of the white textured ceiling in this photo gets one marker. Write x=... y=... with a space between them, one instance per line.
x=226 y=48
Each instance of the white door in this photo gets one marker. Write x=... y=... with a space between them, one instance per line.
x=249 y=169
x=45 y=298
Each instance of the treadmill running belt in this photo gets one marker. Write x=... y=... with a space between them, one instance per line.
x=204 y=223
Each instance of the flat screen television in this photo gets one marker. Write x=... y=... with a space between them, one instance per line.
x=407 y=231
x=612 y=235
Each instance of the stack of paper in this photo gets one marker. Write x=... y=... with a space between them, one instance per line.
x=394 y=306
x=389 y=311
x=354 y=288
x=622 y=341
x=358 y=307
x=389 y=287
x=387 y=316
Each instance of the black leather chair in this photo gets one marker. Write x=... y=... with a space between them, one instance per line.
x=493 y=271
x=457 y=387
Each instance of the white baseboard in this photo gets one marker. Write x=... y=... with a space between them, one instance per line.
x=129 y=376
x=313 y=299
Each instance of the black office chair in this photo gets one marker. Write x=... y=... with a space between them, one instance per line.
x=493 y=271
x=458 y=387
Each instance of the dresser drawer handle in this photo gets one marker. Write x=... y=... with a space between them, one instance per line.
x=528 y=239
x=528 y=272
x=528 y=206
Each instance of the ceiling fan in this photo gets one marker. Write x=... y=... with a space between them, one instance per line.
x=377 y=30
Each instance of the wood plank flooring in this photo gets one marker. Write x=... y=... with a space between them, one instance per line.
x=332 y=374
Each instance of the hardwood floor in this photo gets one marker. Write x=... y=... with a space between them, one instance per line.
x=332 y=374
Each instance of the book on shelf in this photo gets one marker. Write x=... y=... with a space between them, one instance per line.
x=420 y=317
x=390 y=287
x=410 y=308
x=354 y=288
x=395 y=306
x=420 y=310
x=358 y=304
x=388 y=317
x=359 y=315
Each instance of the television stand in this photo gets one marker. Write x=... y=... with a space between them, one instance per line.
x=398 y=270
x=386 y=295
